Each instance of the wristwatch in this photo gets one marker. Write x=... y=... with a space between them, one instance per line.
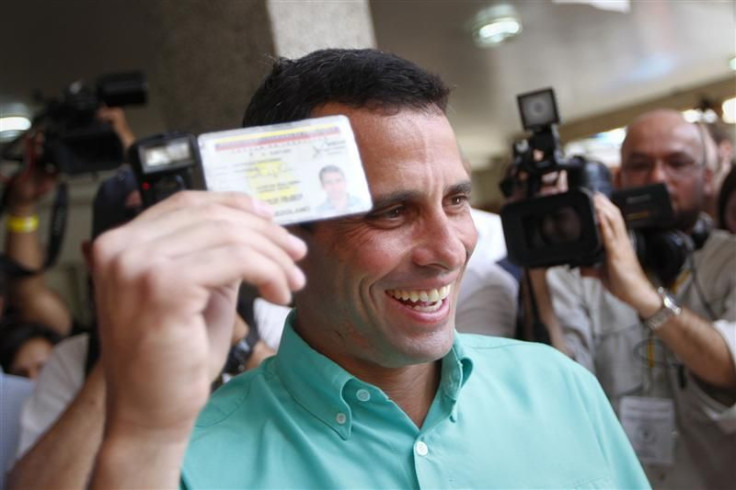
x=670 y=308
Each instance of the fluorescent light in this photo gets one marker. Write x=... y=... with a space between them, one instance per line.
x=498 y=31
x=12 y=126
x=494 y=25
x=729 y=111
x=14 y=123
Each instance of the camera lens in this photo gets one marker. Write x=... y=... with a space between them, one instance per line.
x=561 y=226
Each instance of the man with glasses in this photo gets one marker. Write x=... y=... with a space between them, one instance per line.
x=663 y=352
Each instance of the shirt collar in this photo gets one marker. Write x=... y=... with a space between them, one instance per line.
x=318 y=383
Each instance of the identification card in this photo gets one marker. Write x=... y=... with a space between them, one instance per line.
x=306 y=170
x=650 y=425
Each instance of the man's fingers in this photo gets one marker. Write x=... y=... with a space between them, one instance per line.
x=611 y=213
x=194 y=199
x=186 y=231
x=223 y=265
x=234 y=211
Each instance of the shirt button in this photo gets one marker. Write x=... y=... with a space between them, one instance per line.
x=421 y=448
x=363 y=395
x=341 y=418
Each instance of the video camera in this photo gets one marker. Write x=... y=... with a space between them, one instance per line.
x=75 y=141
x=562 y=228
x=557 y=229
x=164 y=164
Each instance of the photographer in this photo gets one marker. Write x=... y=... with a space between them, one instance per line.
x=665 y=357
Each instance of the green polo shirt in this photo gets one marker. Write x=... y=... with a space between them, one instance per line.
x=507 y=414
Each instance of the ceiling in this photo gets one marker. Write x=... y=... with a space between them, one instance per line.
x=596 y=60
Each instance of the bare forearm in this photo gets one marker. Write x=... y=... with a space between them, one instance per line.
x=64 y=456
x=29 y=295
x=701 y=348
x=45 y=307
x=132 y=459
x=538 y=278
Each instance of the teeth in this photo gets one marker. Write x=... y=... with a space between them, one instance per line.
x=435 y=296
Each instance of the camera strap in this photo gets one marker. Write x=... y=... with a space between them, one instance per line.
x=57 y=229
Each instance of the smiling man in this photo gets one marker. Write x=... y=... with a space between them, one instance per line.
x=371 y=386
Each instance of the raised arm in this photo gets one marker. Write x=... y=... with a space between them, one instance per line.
x=695 y=340
x=32 y=299
x=165 y=290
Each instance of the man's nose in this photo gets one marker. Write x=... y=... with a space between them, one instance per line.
x=441 y=243
x=659 y=173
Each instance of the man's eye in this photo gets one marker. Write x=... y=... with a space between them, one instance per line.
x=679 y=163
x=391 y=213
x=458 y=200
x=639 y=166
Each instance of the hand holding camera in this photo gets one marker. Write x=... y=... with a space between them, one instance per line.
x=621 y=272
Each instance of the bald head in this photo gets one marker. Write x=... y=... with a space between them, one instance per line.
x=668 y=126
x=662 y=147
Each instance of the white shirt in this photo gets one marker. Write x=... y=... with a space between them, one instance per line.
x=607 y=337
x=487 y=302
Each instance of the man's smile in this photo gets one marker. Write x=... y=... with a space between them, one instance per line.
x=424 y=300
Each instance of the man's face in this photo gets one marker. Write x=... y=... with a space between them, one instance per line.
x=334 y=185
x=382 y=287
x=664 y=148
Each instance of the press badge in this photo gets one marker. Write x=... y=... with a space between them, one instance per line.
x=650 y=425
x=306 y=170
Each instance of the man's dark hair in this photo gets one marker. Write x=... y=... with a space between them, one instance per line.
x=14 y=335
x=359 y=78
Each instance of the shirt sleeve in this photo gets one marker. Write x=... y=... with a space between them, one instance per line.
x=566 y=291
x=715 y=273
x=59 y=382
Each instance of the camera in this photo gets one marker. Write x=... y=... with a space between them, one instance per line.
x=660 y=248
x=75 y=141
x=562 y=229
x=544 y=231
x=164 y=164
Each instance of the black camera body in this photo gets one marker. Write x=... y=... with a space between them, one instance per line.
x=562 y=229
x=75 y=141
x=164 y=164
x=660 y=247
x=544 y=231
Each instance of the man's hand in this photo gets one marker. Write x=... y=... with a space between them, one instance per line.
x=116 y=117
x=165 y=288
x=27 y=188
x=621 y=273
